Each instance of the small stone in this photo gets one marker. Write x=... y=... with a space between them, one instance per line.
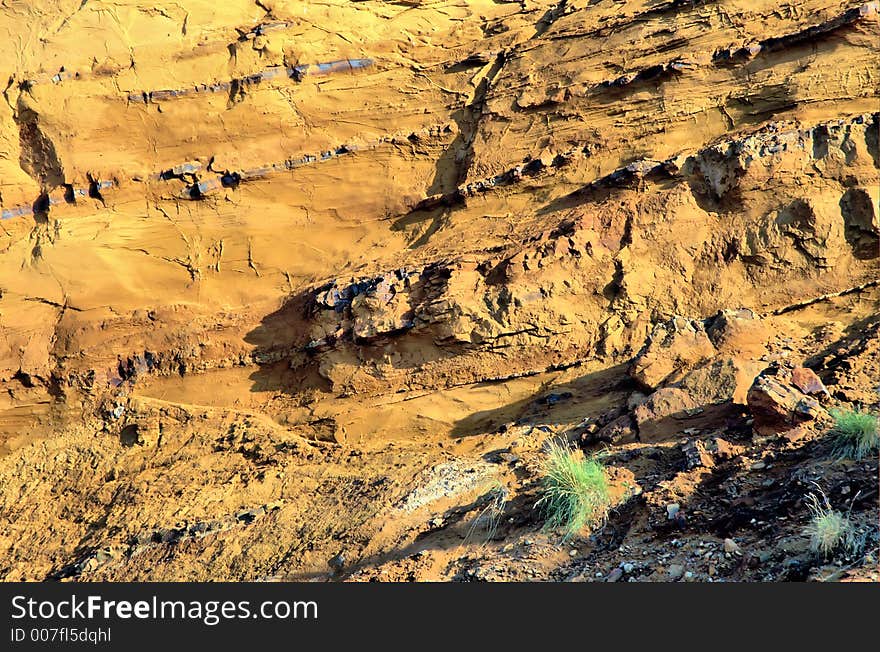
x=796 y=434
x=628 y=568
x=688 y=575
x=675 y=572
x=731 y=547
x=337 y=562
x=757 y=466
x=572 y=553
x=671 y=510
x=614 y=575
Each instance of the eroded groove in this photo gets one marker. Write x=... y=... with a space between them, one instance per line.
x=825 y=297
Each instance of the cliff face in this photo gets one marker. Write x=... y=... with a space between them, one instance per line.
x=266 y=267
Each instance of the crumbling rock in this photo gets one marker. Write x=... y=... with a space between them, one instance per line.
x=672 y=349
x=696 y=454
x=621 y=430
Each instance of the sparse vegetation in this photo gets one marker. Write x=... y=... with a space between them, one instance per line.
x=855 y=433
x=575 y=489
x=829 y=530
x=490 y=515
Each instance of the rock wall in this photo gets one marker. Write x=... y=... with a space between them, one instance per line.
x=278 y=208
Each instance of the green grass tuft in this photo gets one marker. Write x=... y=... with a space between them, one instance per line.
x=855 y=433
x=574 y=488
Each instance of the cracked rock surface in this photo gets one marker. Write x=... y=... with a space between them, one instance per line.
x=270 y=271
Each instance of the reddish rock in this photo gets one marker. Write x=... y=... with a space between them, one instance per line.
x=796 y=434
x=778 y=407
x=807 y=381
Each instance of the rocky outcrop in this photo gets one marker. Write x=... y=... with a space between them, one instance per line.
x=714 y=360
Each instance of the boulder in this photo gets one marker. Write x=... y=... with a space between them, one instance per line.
x=777 y=406
x=738 y=332
x=723 y=379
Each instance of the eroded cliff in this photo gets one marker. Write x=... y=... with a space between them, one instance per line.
x=280 y=279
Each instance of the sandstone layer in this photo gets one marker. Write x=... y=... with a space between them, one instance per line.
x=280 y=280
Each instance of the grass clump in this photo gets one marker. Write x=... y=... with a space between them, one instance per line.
x=574 y=489
x=829 y=530
x=855 y=433
x=492 y=510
